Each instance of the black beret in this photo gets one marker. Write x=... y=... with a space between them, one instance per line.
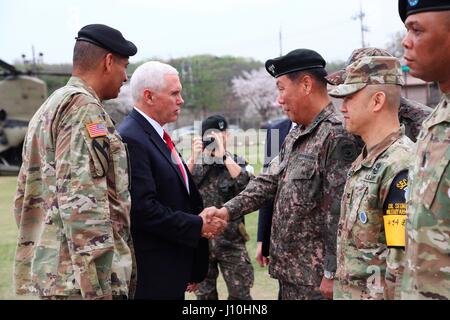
x=297 y=60
x=107 y=38
x=214 y=122
x=408 y=7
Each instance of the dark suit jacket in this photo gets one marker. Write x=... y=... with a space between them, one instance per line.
x=271 y=151
x=165 y=227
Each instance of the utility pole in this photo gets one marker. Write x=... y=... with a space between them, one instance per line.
x=33 y=66
x=360 y=16
x=281 y=41
x=33 y=63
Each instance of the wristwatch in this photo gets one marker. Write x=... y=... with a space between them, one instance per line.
x=328 y=275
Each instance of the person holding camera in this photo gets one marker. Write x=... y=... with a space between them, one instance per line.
x=220 y=176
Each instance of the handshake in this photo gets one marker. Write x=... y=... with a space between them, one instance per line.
x=214 y=221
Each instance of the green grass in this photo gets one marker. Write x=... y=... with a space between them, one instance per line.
x=8 y=234
x=265 y=288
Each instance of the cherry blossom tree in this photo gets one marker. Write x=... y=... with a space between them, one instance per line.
x=257 y=89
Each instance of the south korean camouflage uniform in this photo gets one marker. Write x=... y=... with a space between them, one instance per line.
x=227 y=250
x=72 y=202
x=427 y=261
x=307 y=188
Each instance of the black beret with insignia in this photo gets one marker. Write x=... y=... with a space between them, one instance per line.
x=409 y=7
x=214 y=122
x=107 y=38
x=297 y=60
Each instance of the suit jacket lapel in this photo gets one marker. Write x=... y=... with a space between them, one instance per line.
x=159 y=143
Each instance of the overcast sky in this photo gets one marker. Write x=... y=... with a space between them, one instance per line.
x=176 y=28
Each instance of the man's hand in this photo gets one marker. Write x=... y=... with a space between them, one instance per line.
x=262 y=261
x=326 y=288
x=213 y=224
x=223 y=214
x=197 y=148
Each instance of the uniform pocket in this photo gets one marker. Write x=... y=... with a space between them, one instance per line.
x=434 y=161
x=129 y=166
x=354 y=205
x=365 y=222
x=306 y=183
x=121 y=164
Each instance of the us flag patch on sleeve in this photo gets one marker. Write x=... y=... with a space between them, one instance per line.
x=96 y=129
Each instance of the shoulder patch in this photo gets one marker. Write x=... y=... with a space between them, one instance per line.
x=101 y=148
x=346 y=150
x=96 y=129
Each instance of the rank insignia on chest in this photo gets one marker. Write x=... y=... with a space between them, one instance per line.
x=377 y=167
x=96 y=129
x=363 y=217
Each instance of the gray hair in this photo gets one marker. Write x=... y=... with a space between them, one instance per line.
x=150 y=75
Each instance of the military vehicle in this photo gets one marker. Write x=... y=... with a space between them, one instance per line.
x=21 y=94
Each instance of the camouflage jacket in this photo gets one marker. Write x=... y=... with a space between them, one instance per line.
x=217 y=187
x=427 y=261
x=367 y=267
x=72 y=202
x=307 y=188
x=411 y=114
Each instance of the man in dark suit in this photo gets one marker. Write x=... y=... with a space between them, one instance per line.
x=278 y=131
x=168 y=226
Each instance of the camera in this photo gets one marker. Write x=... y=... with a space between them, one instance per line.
x=208 y=142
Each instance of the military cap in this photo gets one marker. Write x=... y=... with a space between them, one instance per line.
x=369 y=70
x=297 y=60
x=214 y=122
x=107 y=38
x=338 y=77
x=409 y=7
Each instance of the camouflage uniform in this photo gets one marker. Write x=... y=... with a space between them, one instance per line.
x=72 y=203
x=307 y=189
x=371 y=234
x=227 y=250
x=362 y=249
x=411 y=113
x=427 y=266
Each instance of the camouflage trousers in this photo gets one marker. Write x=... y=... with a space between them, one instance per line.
x=292 y=291
x=77 y=297
x=236 y=269
x=72 y=297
